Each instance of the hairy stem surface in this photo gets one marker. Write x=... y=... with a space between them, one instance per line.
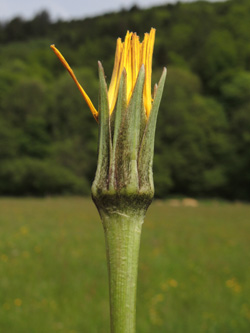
x=122 y=235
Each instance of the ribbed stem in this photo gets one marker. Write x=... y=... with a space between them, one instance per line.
x=122 y=234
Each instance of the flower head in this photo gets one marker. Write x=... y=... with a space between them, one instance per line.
x=127 y=116
x=130 y=56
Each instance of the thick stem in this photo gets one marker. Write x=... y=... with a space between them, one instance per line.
x=122 y=234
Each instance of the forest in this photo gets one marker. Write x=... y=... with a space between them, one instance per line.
x=48 y=136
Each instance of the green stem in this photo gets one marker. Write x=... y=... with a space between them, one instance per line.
x=122 y=234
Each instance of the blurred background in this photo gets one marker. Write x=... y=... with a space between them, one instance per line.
x=48 y=139
x=194 y=264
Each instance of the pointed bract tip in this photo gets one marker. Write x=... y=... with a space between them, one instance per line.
x=124 y=72
x=142 y=67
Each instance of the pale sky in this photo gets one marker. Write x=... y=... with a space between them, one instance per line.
x=69 y=9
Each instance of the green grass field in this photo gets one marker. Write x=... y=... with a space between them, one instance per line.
x=193 y=273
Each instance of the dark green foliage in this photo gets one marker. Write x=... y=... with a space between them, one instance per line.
x=193 y=142
x=48 y=137
x=27 y=176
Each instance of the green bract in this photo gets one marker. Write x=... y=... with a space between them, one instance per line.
x=126 y=146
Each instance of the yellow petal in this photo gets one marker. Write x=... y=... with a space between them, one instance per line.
x=147 y=58
x=115 y=75
x=85 y=96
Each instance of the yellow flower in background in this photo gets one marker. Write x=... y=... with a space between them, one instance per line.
x=173 y=283
x=24 y=230
x=18 y=302
x=234 y=285
x=130 y=56
x=4 y=257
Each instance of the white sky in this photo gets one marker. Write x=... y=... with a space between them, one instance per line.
x=68 y=9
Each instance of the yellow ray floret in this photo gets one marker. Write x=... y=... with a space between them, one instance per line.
x=130 y=55
x=85 y=96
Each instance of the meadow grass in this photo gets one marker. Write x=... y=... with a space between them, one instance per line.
x=193 y=269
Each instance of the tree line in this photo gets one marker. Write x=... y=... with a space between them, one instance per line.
x=48 y=137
